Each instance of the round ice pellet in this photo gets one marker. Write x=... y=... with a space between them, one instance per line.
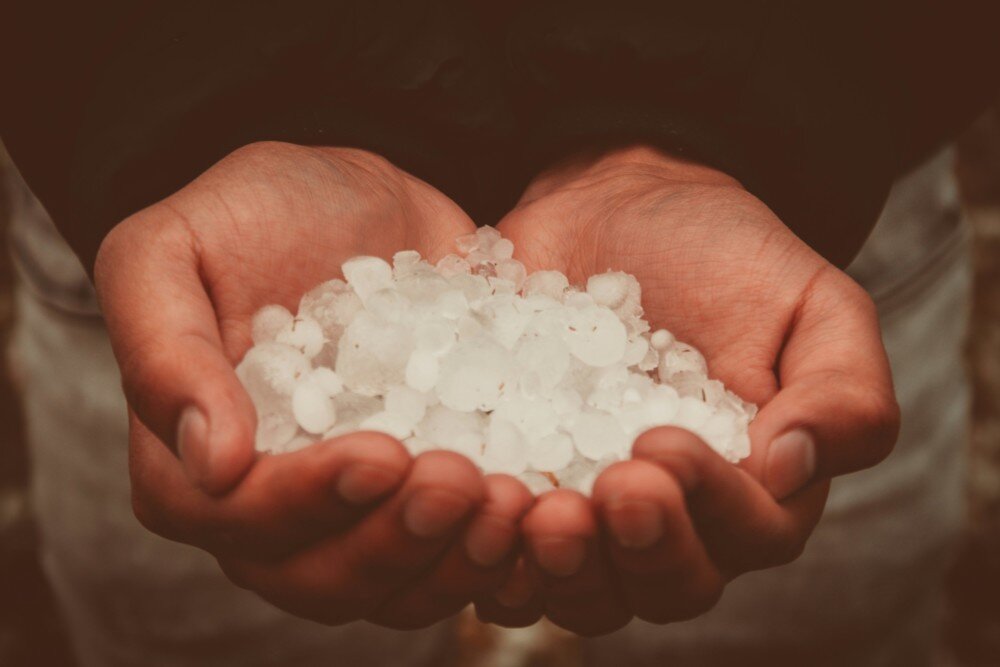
x=596 y=336
x=367 y=275
x=313 y=408
x=598 y=435
x=553 y=452
x=268 y=321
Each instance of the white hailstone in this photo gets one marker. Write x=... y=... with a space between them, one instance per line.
x=475 y=288
x=352 y=409
x=506 y=449
x=373 y=354
x=328 y=381
x=512 y=271
x=567 y=403
x=522 y=374
x=661 y=339
x=404 y=262
x=422 y=370
x=391 y=423
x=312 y=407
x=388 y=305
x=546 y=283
x=541 y=364
x=650 y=361
x=691 y=413
x=681 y=358
x=274 y=431
x=574 y=298
x=304 y=334
x=608 y=289
x=635 y=351
x=367 y=275
x=506 y=320
x=475 y=374
x=271 y=370
x=535 y=419
x=268 y=321
x=501 y=286
x=409 y=404
x=596 y=336
x=435 y=336
x=503 y=249
x=553 y=452
x=487 y=237
x=467 y=243
x=461 y=432
x=581 y=474
x=468 y=328
x=423 y=286
x=597 y=435
x=452 y=265
x=452 y=304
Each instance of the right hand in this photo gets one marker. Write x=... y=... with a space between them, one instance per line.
x=348 y=529
x=663 y=533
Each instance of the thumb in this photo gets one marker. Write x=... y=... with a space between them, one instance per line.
x=836 y=411
x=165 y=336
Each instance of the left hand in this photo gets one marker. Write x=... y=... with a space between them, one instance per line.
x=664 y=532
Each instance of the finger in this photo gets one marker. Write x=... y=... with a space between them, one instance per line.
x=476 y=564
x=564 y=547
x=285 y=502
x=166 y=339
x=517 y=604
x=664 y=570
x=836 y=412
x=350 y=576
x=741 y=525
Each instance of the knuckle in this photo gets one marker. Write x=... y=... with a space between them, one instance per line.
x=147 y=515
x=237 y=573
x=701 y=601
x=786 y=551
x=878 y=417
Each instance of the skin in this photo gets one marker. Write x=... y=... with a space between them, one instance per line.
x=663 y=533
x=353 y=528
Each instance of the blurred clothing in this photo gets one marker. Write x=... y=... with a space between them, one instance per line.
x=867 y=590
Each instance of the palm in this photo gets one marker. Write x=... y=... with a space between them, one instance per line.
x=663 y=532
x=274 y=221
x=716 y=267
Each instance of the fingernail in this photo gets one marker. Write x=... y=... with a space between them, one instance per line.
x=791 y=463
x=559 y=556
x=488 y=541
x=193 y=443
x=362 y=483
x=635 y=524
x=433 y=513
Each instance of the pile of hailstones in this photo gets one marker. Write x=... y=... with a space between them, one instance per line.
x=523 y=374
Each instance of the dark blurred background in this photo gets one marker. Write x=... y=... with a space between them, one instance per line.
x=31 y=632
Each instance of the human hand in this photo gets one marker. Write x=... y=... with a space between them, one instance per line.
x=664 y=532
x=342 y=530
